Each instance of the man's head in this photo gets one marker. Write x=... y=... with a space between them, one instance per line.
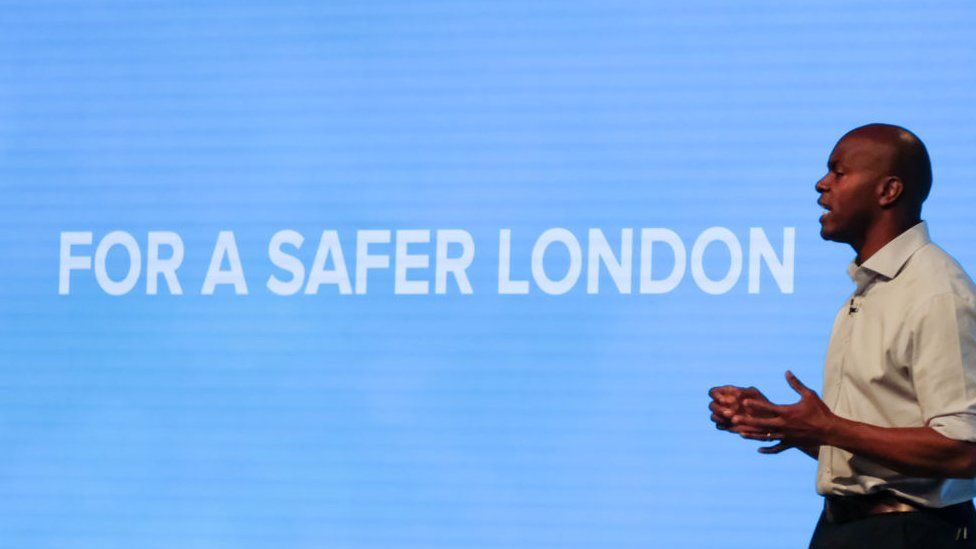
x=877 y=174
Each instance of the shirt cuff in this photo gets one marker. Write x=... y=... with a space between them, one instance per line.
x=961 y=426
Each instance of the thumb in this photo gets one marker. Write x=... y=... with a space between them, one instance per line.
x=775 y=449
x=795 y=383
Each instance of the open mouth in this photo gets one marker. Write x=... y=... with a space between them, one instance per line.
x=824 y=211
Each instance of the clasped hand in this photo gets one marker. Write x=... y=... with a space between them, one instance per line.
x=748 y=413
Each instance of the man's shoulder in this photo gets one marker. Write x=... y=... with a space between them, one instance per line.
x=931 y=271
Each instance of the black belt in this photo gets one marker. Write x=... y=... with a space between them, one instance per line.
x=847 y=508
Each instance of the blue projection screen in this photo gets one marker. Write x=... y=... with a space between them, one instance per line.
x=433 y=274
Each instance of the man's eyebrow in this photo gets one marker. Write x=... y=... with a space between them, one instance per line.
x=831 y=164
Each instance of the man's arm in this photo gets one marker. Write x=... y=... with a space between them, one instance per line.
x=915 y=451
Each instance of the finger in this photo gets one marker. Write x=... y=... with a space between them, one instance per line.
x=720 y=423
x=721 y=411
x=753 y=392
x=762 y=436
x=726 y=394
x=766 y=407
x=744 y=430
x=772 y=423
x=797 y=385
x=775 y=449
x=717 y=392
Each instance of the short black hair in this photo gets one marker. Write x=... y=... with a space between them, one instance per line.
x=910 y=162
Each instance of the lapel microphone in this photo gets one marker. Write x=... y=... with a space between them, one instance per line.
x=853 y=309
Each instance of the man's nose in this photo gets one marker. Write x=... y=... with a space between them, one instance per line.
x=821 y=185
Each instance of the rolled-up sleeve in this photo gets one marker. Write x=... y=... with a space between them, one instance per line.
x=944 y=365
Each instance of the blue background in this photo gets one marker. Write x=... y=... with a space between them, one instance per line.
x=478 y=420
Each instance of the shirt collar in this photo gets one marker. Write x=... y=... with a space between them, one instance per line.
x=889 y=260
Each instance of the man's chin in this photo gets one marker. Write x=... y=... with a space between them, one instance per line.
x=833 y=235
x=827 y=234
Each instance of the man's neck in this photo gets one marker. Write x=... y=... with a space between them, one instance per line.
x=879 y=236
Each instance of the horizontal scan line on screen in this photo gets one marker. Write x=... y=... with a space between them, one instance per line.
x=555 y=264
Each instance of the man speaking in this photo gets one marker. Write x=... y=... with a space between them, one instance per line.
x=895 y=432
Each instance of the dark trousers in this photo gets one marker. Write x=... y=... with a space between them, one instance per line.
x=917 y=530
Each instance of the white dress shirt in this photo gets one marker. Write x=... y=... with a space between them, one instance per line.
x=903 y=354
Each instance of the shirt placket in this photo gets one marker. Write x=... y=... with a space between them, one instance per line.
x=863 y=280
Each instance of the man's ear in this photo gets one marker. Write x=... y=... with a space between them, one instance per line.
x=890 y=190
